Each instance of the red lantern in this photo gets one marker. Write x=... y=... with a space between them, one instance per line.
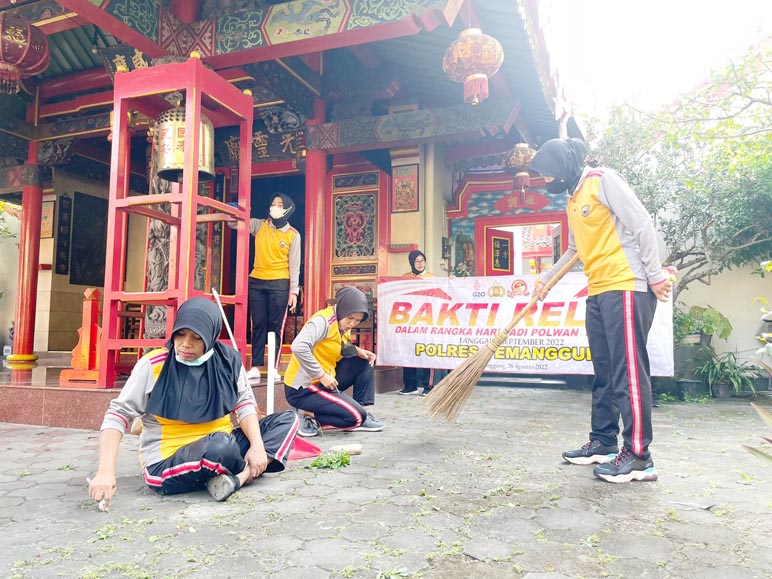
x=471 y=59
x=23 y=51
x=516 y=161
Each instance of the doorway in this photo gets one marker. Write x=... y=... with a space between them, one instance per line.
x=519 y=244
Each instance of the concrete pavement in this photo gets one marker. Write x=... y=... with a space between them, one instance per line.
x=487 y=497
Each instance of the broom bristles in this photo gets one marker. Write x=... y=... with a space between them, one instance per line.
x=448 y=397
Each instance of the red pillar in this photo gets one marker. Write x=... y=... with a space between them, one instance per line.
x=27 y=281
x=317 y=274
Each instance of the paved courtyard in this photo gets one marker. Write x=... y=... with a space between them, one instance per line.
x=487 y=497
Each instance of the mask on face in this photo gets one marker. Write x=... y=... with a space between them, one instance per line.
x=276 y=212
x=556 y=186
x=197 y=361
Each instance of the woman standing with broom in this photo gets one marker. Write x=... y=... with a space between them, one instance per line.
x=613 y=235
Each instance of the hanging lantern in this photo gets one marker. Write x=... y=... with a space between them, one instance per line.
x=23 y=51
x=170 y=129
x=471 y=59
x=516 y=161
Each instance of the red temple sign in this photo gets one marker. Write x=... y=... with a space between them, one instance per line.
x=521 y=200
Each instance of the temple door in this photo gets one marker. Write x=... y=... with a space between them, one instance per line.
x=499 y=257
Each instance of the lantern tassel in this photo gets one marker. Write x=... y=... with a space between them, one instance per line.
x=522 y=180
x=475 y=88
x=9 y=78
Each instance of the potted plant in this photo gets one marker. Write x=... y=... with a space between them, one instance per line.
x=698 y=324
x=726 y=374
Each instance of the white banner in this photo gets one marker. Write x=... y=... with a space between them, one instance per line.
x=438 y=322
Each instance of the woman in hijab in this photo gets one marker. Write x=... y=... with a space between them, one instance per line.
x=614 y=236
x=184 y=394
x=415 y=378
x=324 y=362
x=274 y=279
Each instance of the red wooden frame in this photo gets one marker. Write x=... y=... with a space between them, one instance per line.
x=225 y=105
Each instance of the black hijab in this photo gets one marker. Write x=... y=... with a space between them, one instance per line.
x=349 y=300
x=412 y=256
x=563 y=160
x=289 y=208
x=196 y=394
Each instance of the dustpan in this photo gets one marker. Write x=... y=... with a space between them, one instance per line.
x=301 y=449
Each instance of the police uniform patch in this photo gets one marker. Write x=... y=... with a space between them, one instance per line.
x=585 y=210
x=282 y=244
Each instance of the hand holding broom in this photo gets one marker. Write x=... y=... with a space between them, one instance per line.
x=448 y=397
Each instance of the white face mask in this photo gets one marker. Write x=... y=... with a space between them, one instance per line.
x=197 y=361
x=276 y=212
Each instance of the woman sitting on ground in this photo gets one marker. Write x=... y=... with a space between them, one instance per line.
x=185 y=401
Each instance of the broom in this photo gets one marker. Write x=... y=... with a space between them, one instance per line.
x=300 y=448
x=448 y=397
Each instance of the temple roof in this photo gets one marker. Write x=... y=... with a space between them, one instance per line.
x=360 y=57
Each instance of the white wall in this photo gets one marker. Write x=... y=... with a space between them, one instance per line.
x=732 y=293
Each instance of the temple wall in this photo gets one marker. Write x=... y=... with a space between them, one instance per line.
x=426 y=227
x=60 y=303
x=9 y=266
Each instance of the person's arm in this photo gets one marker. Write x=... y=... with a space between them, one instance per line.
x=256 y=458
x=103 y=485
x=303 y=349
x=617 y=195
x=366 y=354
x=254 y=225
x=294 y=271
x=247 y=417
x=545 y=277
x=130 y=403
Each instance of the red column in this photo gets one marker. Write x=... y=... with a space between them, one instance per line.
x=317 y=272
x=27 y=281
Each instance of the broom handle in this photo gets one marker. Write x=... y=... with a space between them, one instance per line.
x=547 y=287
x=225 y=319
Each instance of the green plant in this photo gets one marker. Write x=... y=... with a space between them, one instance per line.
x=762 y=453
x=332 y=459
x=726 y=368
x=709 y=321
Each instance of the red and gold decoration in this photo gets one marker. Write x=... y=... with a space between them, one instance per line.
x=516 y=162
x=472 y=59
x=23 y=51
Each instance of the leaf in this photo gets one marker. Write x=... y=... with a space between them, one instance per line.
x=332 y=459
x=758 y=452
x=766 y=416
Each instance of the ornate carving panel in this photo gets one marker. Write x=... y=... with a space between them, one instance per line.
x=355 y=217
x=361 y=270
x=141 y=15
x=355 y=181
x=180 y=38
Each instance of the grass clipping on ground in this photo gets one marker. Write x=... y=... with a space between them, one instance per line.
x=331 y=459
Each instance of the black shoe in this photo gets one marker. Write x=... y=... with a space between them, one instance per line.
x=626 y=467
x=426 y=391
x=591 y=453
x=407 y=391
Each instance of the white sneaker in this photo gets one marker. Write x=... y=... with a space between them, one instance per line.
x=253 y=376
